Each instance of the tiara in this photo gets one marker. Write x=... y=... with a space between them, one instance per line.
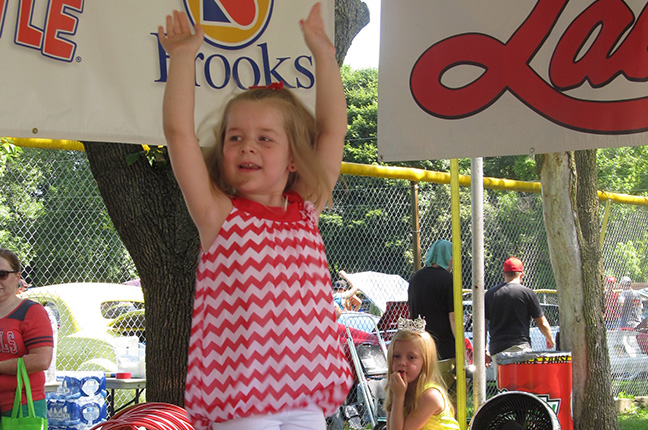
x=417 y=325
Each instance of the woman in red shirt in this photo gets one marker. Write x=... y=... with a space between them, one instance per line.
x=25 y=331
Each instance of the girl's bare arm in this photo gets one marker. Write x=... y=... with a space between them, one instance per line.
x=430 y=403
x=207 y=206
x=330 y=103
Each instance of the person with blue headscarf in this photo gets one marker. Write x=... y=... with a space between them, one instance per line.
x=430 y=295
x=439 y=254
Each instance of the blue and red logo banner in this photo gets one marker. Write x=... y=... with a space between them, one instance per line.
x=505 y=77
x=95 y=71
x=231 y=24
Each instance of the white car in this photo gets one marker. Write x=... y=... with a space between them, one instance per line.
x=628 y=361
x=99 y=324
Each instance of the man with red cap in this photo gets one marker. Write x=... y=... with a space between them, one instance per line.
x=509 y=309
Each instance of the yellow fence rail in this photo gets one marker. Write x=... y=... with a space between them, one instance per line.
x=389 y=172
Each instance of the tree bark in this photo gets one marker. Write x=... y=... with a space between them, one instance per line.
x=597 y=408
x=351 y=16
x=149 y=213
x=570 y=208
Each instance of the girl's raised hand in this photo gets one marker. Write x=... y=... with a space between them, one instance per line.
x=179 y=36
x=314 y=34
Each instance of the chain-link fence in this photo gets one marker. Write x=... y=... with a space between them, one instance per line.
x=513 y=225
x=53 y=217
x=52 y=214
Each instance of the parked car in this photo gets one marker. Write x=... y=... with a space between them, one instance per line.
x=97 y=322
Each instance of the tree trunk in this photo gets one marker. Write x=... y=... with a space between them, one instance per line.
x=149 y=213
x=148 y=210
x=351 y=16
x=570 y=208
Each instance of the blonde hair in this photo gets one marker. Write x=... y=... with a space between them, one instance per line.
x=429 y=371
x=299 y=125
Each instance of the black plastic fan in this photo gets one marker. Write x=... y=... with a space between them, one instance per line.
x=515 y=410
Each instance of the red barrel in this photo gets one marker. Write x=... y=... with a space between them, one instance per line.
x=548 y=375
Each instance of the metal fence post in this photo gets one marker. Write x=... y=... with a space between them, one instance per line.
x=416 y=229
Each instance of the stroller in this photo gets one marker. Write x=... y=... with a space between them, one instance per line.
x=367 y=354
x=365 y=336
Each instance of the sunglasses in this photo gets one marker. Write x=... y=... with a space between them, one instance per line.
x=5 y=273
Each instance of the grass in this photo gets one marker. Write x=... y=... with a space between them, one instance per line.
x=634 y=419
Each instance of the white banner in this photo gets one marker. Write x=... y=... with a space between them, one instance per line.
x=94 y=70
x=466 y=78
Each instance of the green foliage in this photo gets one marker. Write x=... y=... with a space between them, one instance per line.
x=637 y=419
x=8 y=150
x=356 y=218
x=361 y=90
x=518 y=167
x=623 y=170
x=623 y=395
x=626 y=257
x=52 y=216
x=157 y=156
x=631 y=254
x=17 y=207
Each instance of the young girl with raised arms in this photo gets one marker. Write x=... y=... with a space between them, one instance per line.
x=264 y=351
x=416 y=398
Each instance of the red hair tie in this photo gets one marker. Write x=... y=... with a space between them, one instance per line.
x=275 y=86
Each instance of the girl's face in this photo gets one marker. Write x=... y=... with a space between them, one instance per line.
x=407 y=360
x=8 y=285
x=256 y=152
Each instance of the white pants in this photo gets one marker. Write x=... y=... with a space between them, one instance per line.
x=309 y=418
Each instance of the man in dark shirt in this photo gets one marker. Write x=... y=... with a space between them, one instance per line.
x=430 y=296
x=509 y=309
